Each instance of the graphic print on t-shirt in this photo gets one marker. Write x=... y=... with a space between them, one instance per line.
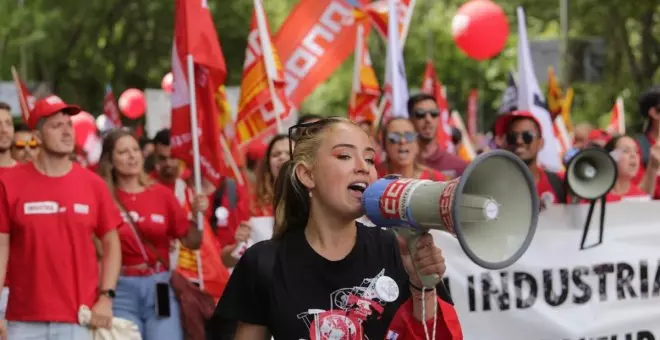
x=350 y=307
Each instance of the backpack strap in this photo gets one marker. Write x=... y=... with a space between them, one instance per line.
x=557 y=186
x=644 y=148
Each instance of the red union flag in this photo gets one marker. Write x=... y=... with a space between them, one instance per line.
x=314 y=41
x=110 y=108
x=195 y=36
x=262 y=97
x=366 y=91
x=379 y=15
x=25 y=98
x=431 y=85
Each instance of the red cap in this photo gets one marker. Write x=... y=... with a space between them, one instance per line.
x=47 y=107
x=503 y=122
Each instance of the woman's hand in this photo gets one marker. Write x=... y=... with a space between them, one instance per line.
x=428 y=260
x=200 y=203
x=243 y=232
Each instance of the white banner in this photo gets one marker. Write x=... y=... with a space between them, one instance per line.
x=558 y=292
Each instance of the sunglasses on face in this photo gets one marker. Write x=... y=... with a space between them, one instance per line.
x=398 y=137
x=419 y=114
x=22 y=144
x=305 y=129
x=527 y=137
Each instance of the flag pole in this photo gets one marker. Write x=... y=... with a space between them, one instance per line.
x=197 y=166
x=194 y=129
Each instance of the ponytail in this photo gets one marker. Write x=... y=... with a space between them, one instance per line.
x=291 y=201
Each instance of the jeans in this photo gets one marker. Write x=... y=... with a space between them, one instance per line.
x=4 y=298
x=136 y=301
x=47 y=331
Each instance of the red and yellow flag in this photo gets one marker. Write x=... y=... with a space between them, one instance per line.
x=378 y=14
x=363 y=104
x=262 y=102
x=617 y=125
x=559 y=104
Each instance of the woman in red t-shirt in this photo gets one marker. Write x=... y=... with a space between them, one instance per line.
x=154 y=218
x=402 y=152
x=624 y=151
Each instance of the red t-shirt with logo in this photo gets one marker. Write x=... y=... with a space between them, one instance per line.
x=51 y=221
x=544 y=188
x=634 y=194
x=159 y=218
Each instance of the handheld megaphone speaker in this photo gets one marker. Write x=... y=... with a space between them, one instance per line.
x=591 y=173
x=492 y=209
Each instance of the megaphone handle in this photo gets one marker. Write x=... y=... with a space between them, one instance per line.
x=412 y=237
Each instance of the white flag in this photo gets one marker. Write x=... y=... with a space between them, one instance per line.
x=530 y=98
x=396 y=85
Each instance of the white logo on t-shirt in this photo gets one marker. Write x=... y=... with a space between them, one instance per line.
x=157 y=218
x=81 y=208
x=41 y=208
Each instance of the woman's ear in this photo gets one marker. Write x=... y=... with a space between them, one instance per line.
x=305 y=176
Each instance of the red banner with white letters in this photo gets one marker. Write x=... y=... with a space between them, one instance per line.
x=314 y=41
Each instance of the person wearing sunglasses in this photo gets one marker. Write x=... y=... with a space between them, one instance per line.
x=522 y=136
x=424 y=113
x=25 y=147
x=324 y=275
x=402 y=152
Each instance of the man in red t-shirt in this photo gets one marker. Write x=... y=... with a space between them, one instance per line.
x=523 y=137
x=50 y=210
x=425 y=116
x=6 y=138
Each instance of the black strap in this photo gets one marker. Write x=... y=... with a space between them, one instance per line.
x=601 y=226
x=557 y=186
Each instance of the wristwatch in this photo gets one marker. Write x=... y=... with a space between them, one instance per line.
x=109 y=293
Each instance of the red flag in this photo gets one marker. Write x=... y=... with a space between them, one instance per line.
x=314 y=41
x=366 y=91
x=195 y=36
x=25 y=98
x=110 y=108
x=262 y=101
x=431 y=85
x=379 y=16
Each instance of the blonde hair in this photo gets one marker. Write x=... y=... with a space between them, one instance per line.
x=292 y=202
x=107 y=169
x=264 y=179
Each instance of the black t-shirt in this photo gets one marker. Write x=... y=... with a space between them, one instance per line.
x=293 y=291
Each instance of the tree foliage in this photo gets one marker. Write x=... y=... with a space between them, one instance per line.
x=78 y=46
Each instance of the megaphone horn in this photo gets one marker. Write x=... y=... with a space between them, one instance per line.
x=492 y=208
x=591 y=173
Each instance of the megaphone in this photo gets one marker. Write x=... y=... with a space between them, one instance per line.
x=591 y=173
x=492 y=209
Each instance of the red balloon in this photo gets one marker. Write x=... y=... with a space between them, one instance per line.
x=166 y=83
x=132 y=103
x=84 y=125
x=480 y=29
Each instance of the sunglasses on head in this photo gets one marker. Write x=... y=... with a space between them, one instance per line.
x=22 y=144
x=398 y=137
x=305 y=129
x=527 y=137
x=419 y=113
